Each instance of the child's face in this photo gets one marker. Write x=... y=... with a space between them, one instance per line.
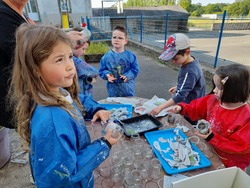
x=218 y=90
x=181 y=59
x=119 y=39
x=81 y=51
x=58 y=70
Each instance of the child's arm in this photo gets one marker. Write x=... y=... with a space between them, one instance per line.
x=186 y=84
x=104 y=71
x=133 y=70
x=93 y=109
x=197 y=109
x=164 y=105
x=238 y=142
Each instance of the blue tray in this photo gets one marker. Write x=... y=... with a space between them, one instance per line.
x=168 y=133
x=129 y=108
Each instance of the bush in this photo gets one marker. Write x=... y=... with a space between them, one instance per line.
x=97 y=48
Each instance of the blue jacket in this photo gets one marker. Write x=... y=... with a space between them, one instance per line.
x=86 y=73
x=191 y=83
x=124 y=63
x=62 y=154
x=90 y=105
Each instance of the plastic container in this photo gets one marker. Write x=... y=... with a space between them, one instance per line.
x=86 y=34
x=140 y=124
x=170 y=134
x=117 y=130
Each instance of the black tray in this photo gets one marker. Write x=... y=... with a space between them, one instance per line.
x=139 y=124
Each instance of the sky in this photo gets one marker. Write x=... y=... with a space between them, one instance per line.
x=98 y=3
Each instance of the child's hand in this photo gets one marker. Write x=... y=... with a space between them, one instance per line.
x=110 y=139
x=124 y=78
x=172 y=90
x=204 y=136
x=156 y=111
x=75 y=37
x=111 y=78
x=175 y=110
x=103 y=115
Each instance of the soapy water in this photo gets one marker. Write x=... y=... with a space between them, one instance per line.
x=139 y=126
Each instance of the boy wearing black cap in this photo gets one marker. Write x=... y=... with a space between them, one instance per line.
x=191 y=82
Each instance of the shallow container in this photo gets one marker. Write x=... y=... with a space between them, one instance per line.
x=140 y=124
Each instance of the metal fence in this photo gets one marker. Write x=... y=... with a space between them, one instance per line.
x=209 y=43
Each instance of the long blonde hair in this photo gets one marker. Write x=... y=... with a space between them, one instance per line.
x=34 y=44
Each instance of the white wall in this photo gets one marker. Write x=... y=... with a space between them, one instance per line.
x=211 y=16
x=50 y=12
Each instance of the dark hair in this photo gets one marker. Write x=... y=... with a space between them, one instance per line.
x=122 y=29
x=236 y=88
x=213 y=87
x=182 y=52
x=77 y=29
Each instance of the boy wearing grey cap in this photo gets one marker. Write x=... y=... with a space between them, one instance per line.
x=191 y=82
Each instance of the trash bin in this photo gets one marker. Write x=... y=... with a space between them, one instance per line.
x=4 y=146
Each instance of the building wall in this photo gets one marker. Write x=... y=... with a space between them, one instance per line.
x=51 y=14
x=80 y=9
x=232 y=26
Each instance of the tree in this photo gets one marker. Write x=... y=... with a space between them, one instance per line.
x=197 y=10
x=238 y=8
x=138 y=3
x=186 y=4
x=212 y=8
x=234 y=9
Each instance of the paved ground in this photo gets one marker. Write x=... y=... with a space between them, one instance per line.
x=234 y=46
x=154 y=79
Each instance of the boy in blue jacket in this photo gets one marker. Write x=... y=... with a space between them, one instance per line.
x=119 y=66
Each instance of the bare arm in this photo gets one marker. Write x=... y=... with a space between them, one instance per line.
x=166 y=104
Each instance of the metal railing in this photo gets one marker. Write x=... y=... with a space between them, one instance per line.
x=216 y=42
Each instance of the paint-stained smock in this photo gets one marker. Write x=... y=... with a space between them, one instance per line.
x=90 y=105
x=117 y=64
x=231 y=128
x=62 y=154
x=86 y=74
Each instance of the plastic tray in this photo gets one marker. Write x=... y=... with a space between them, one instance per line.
x=168 y=133
x=140 y=124
x=129 y=108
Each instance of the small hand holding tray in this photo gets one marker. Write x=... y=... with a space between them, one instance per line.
x=139 y=124
x=155 y=136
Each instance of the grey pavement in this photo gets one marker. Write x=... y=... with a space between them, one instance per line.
x=154 y=78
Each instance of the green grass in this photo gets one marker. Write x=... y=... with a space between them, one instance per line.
x=207 y=23
x=97 y=48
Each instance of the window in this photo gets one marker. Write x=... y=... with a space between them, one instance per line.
x=65 y=6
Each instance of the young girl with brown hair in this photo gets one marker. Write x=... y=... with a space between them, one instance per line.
x=49 y=113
